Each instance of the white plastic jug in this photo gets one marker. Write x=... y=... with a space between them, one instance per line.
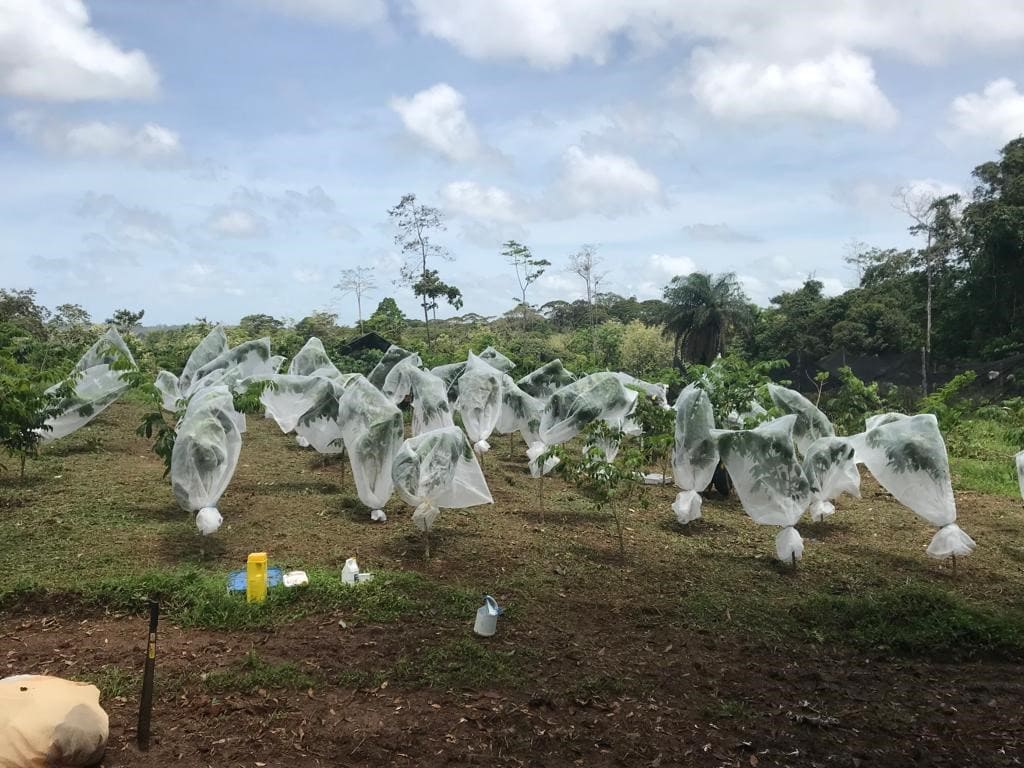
x=350 y=571
x=486 y=623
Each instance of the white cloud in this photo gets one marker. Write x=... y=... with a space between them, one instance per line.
x=996 y=114
x=49 y=51
x=841 y=86
x=358 y=13
x=670 y=266
x=552 y=286
x=201 y=279
x=832 y=286
x=554 y=33
x=484 y=203
x=604 y=183
x=931 y=188
x=722 y=233
x=307 y=276
x=436 y=118
x=127 y=227
x=150 y=144
x=293 y=203
x=237 y=223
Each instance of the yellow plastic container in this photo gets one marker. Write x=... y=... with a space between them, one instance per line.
x=256 y=577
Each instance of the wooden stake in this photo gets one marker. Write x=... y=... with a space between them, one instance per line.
x=146 y=704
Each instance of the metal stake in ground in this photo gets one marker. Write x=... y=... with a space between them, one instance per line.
x=146 y=705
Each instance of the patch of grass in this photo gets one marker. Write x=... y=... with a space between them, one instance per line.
x=985 y=476
x=254 y=674
x=916 y=620
x=195 y=598
x=981 y=457
x=462 y=663
x=113 y=682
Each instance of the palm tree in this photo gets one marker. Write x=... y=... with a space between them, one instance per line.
x=703 y=310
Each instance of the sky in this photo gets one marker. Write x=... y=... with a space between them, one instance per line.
x=219 y=158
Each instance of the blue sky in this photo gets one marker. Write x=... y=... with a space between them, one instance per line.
x=225 y=157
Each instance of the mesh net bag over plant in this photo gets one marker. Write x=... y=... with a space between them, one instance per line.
x=205 y=455
x=210 y=348
x=546 y=380
x=373 y=431
x=450 y=374
x=495 y=359
x=438 y=470
x=479 y=401
x=768 y=479
x=250 y=358
x=289 y=396
x=810 y=423
x=312 y=360
x=391 y=358
x=320 y=427
x=98 y=383
x=831 y=469
x=213 y=363
x=572 y=408
x=519 y=412
x=430 y=407
x=907 y=456
x=1019 y=461
x=657 y=392
x=695 y=452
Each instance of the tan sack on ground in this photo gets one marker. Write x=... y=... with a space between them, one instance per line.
x=47 y=722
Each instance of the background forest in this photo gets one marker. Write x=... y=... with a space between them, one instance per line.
x=956 y=300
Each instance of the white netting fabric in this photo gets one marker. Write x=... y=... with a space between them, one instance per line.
x=438 y=470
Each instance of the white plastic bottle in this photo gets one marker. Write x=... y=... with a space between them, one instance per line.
x=350 y=571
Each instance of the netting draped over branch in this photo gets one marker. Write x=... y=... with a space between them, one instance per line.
x=695 y=454
x=573 y=407
x=450 y=374
x=495 y=359
x=320 y=427
x=438 y=469
x=210 y=348
x=390 y=359
x=1019 y=461
x=657 y=392
x=205 y=455
x=290 y=396
x=810 y=423
x=251 y=358
x=479 y=401
x=768 y=479
x=546 y=380
x=831 y=470
x=212 y=363
x=372 y=430
x=907 y=456
x=519 y=412
x=430 y=407
x=312 y=360
x=98 y=383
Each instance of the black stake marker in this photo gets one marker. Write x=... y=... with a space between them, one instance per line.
x=146 y=705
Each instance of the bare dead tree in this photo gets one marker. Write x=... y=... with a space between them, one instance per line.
x=358 y=282
x=931 y=215
x=585 y=264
